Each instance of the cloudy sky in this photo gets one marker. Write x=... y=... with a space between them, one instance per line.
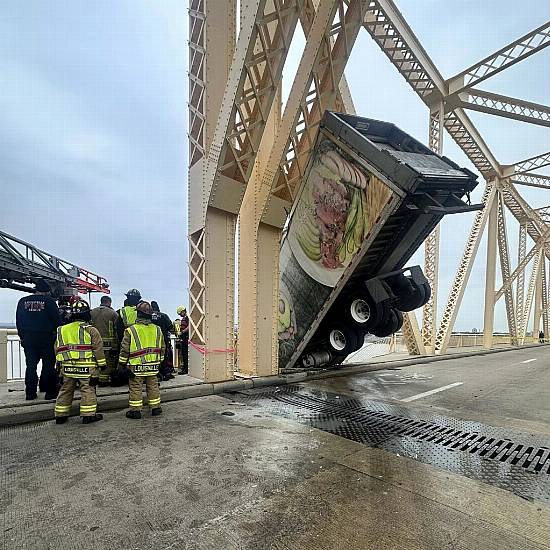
x=93 y=118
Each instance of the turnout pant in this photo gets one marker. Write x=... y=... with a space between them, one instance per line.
x=40 y=347
x=88 y=400
x=151 y=387
x=182 y=345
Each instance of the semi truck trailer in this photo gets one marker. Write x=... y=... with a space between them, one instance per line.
x=370 y=196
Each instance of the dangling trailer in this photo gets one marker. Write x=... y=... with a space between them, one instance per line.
x=370 y=196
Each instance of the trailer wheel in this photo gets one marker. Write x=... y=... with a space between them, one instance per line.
x=364 y=313
x=427 y=292
x=391 y=326
x=343 y=340
x=409 y=295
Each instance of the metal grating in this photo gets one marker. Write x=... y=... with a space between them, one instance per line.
x=509 y=459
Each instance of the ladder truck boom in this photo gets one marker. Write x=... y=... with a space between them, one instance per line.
x=22 y=263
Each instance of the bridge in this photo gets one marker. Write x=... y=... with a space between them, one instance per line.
x=426 y=439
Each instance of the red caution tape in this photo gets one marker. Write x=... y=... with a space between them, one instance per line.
x=204 y=350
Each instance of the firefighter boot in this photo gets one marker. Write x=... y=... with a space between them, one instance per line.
x=156 y=412
x=89 y=419
x=61 y=419
x=134 y=414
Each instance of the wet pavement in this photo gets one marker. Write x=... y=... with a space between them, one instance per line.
x=230 y=472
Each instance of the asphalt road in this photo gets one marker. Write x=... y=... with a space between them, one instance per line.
x=213 y=473
x=509 y=388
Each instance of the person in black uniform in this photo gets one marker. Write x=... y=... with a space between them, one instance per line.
x=37 y=319
x=165 y=324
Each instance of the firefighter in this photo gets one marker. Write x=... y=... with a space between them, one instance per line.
x=181 y=330
x=141 y=352
x=164 y=322
x=104 y=319
x=37 y=319
x=127 y=313
x=79 y=353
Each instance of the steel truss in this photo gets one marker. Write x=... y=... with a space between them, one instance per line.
x=246 y=160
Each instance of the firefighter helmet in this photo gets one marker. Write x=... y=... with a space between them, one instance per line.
x=181 y=310
x=134 y=292
x=80 y=309
x=144 y=308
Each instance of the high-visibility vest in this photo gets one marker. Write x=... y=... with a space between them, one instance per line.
x=145 y=349
x=74 y=350
x=128 y=315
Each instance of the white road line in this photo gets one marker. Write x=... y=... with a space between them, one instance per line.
x=431 y=392
x=529 y=361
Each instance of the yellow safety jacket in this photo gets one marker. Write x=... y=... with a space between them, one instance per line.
x=128 y=315
x=75 y=352
x=145 y=352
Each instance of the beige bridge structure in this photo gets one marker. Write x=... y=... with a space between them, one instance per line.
x=247 y=155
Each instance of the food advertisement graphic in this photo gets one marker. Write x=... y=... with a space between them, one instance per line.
x=337 y=207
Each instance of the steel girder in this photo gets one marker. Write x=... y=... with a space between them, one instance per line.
x=500 y=105
x=532 y=180
x=231 y=160
x=507 y=56
x=464 y=269
x=545 y=324
x=525 y=166
x=255 y=73
x=431 y=246
x=529 y=297
x=520 y=285
x=504 y=255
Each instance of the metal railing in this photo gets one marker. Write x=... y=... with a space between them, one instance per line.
x=12 y=357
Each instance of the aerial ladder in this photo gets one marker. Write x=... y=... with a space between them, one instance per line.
x=22 y=264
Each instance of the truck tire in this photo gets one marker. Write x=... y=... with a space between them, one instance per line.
x=427 y=292
x=409 y=295
x=364 y=313
x=343 y=340
x=392 y=325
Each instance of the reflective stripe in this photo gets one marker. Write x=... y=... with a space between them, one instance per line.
x=88 y=408
x=135 y=334
x=62 y=408
x=145 y=347
x=145 y=351
x=154 y=401
x=74 y=344
x=60 y=344
x=77 y=371
x=81 y=337
x=145 y=370
x=75 y=347
x=135 y=404
x=128 y=315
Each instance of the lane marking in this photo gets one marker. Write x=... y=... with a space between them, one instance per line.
x=431 y=392
x=528 y=361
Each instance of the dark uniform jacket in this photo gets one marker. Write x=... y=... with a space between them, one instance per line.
x=37 y=314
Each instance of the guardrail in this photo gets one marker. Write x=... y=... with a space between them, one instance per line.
x=12 y=357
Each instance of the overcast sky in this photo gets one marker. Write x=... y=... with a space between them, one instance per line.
x=93 y=150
